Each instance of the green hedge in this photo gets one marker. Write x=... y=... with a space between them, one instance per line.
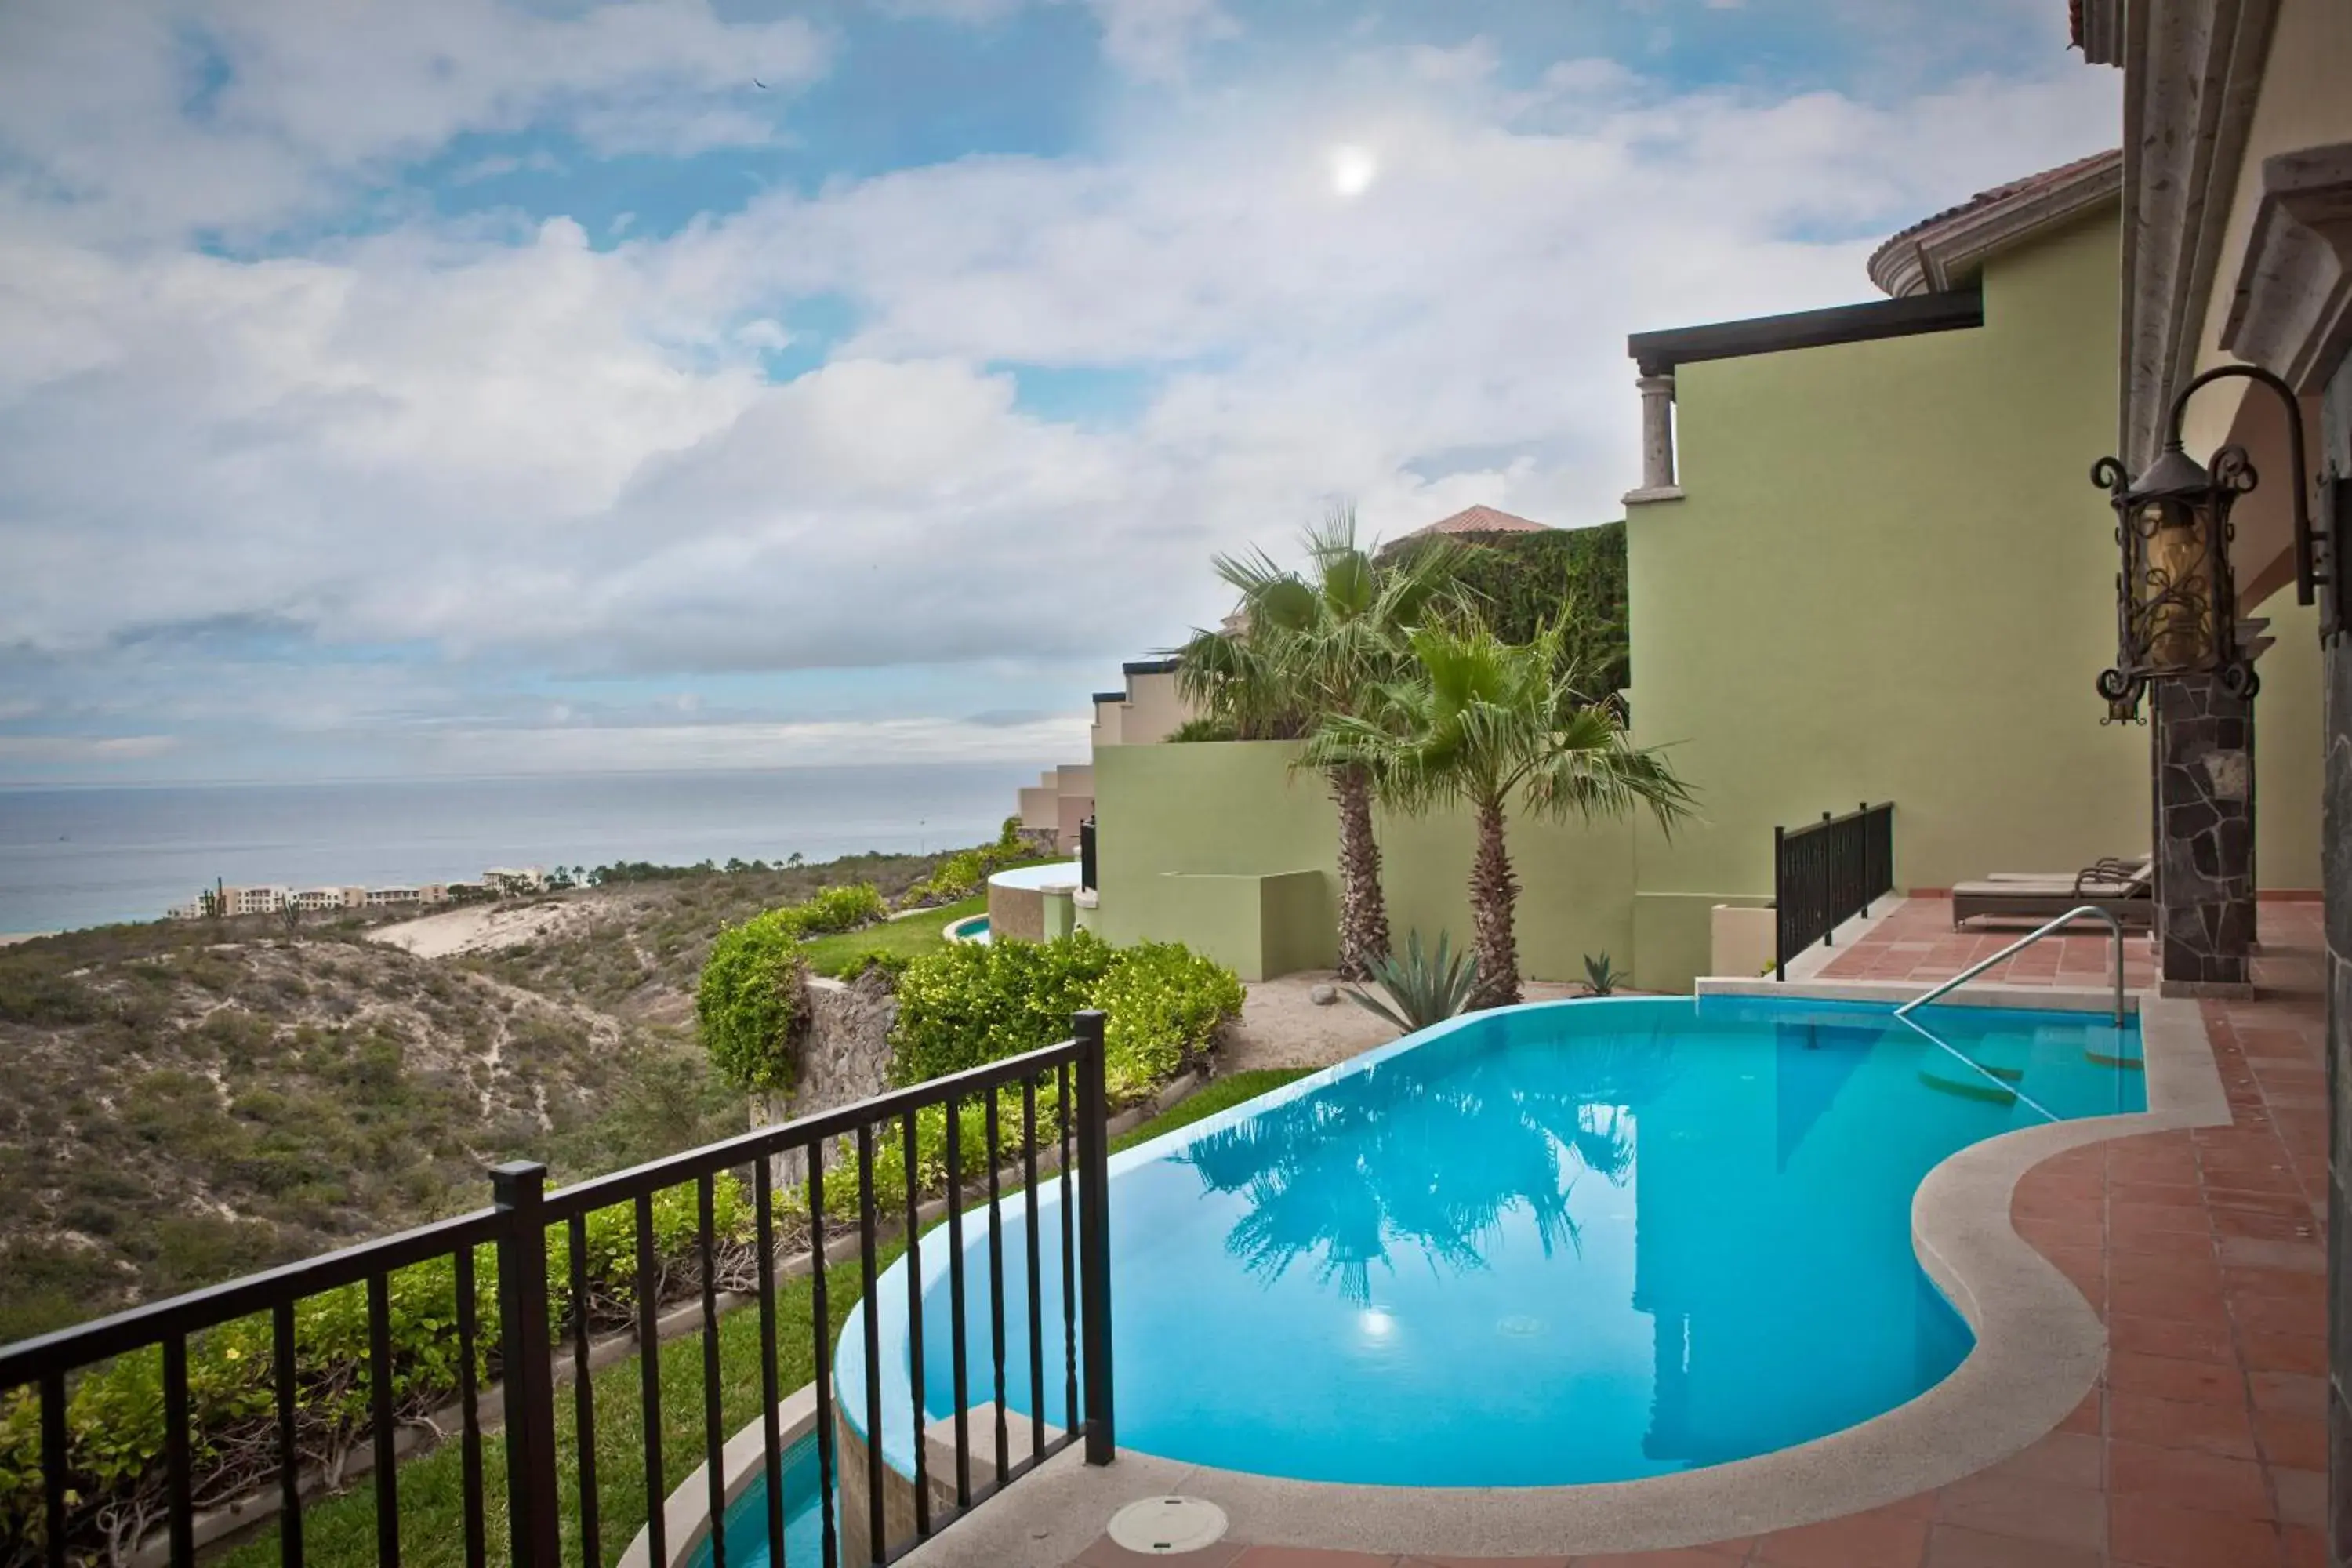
x=976 y=1002
x=748 y=1002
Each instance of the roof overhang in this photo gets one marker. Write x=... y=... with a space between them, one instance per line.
x=1658 y=352
x=1946 y=252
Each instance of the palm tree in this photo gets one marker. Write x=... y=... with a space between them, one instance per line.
x=1482 y=722
x=1304 y=647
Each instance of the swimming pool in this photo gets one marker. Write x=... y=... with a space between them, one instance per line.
x=972 y=928
x=747 y=1517
x=1577 y=1242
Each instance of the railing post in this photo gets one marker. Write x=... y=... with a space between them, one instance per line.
x=1779 y=904
x=1094 y=1236
x=517 y=1188
x=1829 y=881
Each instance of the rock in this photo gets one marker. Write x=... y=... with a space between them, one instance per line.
x=1323 y=996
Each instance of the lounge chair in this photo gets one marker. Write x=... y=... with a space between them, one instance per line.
x=2124 y=888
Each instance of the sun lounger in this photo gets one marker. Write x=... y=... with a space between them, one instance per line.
x=2125 y=889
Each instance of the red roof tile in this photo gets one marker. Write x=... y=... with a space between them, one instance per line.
x=1481 y=520
x=1983 y=199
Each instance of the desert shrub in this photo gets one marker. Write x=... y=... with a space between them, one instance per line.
x=970 y=1002
x=842 y=909
x=749 y=1003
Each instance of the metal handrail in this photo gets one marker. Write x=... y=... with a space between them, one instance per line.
x=2028 y=939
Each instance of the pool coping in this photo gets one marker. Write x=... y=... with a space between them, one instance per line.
x=685 y=1512
x=2040 y=1349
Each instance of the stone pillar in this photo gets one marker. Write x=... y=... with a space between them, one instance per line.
x=2335 y=875
x=2204 y=838
x=1657 y=441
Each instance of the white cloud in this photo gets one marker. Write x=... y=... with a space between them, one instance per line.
x=513 y=447
x=152 y=118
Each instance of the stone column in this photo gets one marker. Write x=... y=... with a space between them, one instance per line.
x=1657 y=441
x=2335 y=875
x=2204 y=838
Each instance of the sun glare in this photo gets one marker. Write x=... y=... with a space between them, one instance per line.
x=1353 y=170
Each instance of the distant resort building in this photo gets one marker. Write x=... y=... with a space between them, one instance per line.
x=498 y=882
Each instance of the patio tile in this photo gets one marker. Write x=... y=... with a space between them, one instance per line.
x=2150 y=1534
x=2160 y=1337
x=2065 y=1516
x=2185 y=1478
x=1680 y=1557
x=1874 y=1540
x=2298 y=1442
x=1308 y=1557
x=2288 y=1393
x=2300 y=1496
x=1956 y=1546
x=2285 y=1352
x=2194 y=1382
x=2061 y=1460
x=1109 y=1553
x=1653 y=1559
x=2261 y=1252
x=2220 y=1429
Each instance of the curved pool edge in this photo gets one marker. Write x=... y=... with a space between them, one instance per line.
x=685 y=1512
x=2040 y=1348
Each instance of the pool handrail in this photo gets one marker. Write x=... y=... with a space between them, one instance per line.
x=2028 y=939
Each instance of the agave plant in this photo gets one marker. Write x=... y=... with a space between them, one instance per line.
x=1423 y=988
x=1601 y=976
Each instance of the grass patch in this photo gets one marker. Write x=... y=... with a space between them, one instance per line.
x=1219 y=1094
x=843 y=953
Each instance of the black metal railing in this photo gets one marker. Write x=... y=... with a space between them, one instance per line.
x=1087 y=872
x=1827 y=873
x=514 y=1361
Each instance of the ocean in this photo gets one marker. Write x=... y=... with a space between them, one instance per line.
x=81 y=857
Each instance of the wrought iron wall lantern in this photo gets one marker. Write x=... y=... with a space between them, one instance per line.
x=2176 y=600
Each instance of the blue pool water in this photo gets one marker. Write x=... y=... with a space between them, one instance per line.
x=747 y=1517
x=1580 y=1242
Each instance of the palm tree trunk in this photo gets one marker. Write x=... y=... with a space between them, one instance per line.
x=1494 y=896
x=1363 y=912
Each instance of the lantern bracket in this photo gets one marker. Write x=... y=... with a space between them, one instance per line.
x=2312 y=573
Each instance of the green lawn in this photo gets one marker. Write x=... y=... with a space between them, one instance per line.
x=339 y=1530
x=843 y=953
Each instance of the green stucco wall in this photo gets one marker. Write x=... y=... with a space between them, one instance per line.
x=1204 y=844
x=1891 y=579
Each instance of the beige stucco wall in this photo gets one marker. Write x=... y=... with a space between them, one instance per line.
x=1154 y=710
x=2289 y=732
x=1108 y=727
x=1891 y=580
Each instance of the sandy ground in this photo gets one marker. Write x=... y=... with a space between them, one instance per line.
x=1281 y=1026
x=476 y=929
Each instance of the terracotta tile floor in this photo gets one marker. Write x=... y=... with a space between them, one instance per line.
x=2203 y=1446
x=1916 y=941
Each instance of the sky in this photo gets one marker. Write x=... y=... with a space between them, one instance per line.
x=489 y=386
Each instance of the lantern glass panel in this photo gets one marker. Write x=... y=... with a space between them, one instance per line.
x=2175 y=586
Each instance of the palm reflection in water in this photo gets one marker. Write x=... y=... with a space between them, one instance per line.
x=1418 y=1152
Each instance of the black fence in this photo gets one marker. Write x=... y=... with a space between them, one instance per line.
x=1826 y=872
x=1087 y=853
x=514 y=1310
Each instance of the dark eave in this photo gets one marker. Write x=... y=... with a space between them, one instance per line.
x=1149 y=666
x=1103 y=697
x=1659 y=353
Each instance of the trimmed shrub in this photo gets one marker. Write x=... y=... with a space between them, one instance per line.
x=842 y=909
x=971 y=1003
x=751 y=1003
